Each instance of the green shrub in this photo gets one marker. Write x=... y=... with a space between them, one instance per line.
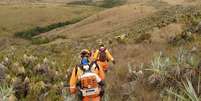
x=5 y=92
x=85 y=2
x=40 y=40
x=187 y=93
x=28 y=34
x=112 y=3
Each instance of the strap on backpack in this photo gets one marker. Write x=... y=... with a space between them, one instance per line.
x=80 y=66
x=97 y=66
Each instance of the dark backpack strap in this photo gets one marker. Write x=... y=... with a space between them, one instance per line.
x=94 y=62
x=97 y=66
x=76 y=68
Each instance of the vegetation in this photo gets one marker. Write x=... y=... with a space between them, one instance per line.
x=104 y=3
x=33 y=80
x=181 y=74
x=112 y=3
x=28 y=34
x=40 y=71
x=5 y=92
x=25 y=17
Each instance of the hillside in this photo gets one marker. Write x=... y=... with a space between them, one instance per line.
x=156 y=44
x=40 y=1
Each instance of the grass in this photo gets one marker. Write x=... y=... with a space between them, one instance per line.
x=188 y=92
x=160 y=64
x=38 y=82
x=5 y=92
x=16 y=18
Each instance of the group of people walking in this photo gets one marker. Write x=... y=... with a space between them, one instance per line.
x=87 y=78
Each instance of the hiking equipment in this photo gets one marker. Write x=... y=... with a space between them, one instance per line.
x=85 y=53
x=84 y=61
x=89 y=84
x=101 y=44
x=102 y=54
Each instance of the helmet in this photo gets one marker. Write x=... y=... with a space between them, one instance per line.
x=102 y=49
x=100 y=43
x=84 y=53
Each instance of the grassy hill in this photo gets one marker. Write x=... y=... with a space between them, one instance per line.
x=23 y=17
x=156 y=44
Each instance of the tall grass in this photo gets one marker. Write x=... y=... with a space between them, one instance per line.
x=160 y=64
x=187 y=92
x=5 y=92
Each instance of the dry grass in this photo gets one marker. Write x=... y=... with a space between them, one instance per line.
x=104 y=22
x=22 y=17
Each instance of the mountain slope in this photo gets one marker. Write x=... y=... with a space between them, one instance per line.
x=134 y=33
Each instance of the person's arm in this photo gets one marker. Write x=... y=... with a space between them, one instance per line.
x=95 y=55
x=110 y=57
x=73 y=81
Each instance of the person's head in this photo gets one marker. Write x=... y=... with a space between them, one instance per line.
x=85 y=53
x=100 y=43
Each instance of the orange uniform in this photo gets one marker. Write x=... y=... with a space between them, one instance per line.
x=90 y=87
x=103 y=63
x=98 y=98
x=78 y=72
x=87 y=79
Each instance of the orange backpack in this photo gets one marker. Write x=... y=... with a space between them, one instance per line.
x=89 y=82
x=89 y=86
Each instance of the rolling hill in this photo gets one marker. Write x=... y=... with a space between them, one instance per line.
x=135 y=32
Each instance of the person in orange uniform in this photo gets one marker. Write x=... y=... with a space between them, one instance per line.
x=78 y=71
x=103 y=56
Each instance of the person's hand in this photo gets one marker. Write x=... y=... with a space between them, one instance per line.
x=102 y=92
x=114 y=62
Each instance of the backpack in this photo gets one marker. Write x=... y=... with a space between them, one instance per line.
x=102 y=55
x=89 y=86
x=88 y=82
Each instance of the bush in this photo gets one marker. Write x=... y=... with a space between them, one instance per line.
x=5 y=92
x=28 y=34
x=85 y=2
x=40 y=40
x=181 y=39
x=112 y=3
